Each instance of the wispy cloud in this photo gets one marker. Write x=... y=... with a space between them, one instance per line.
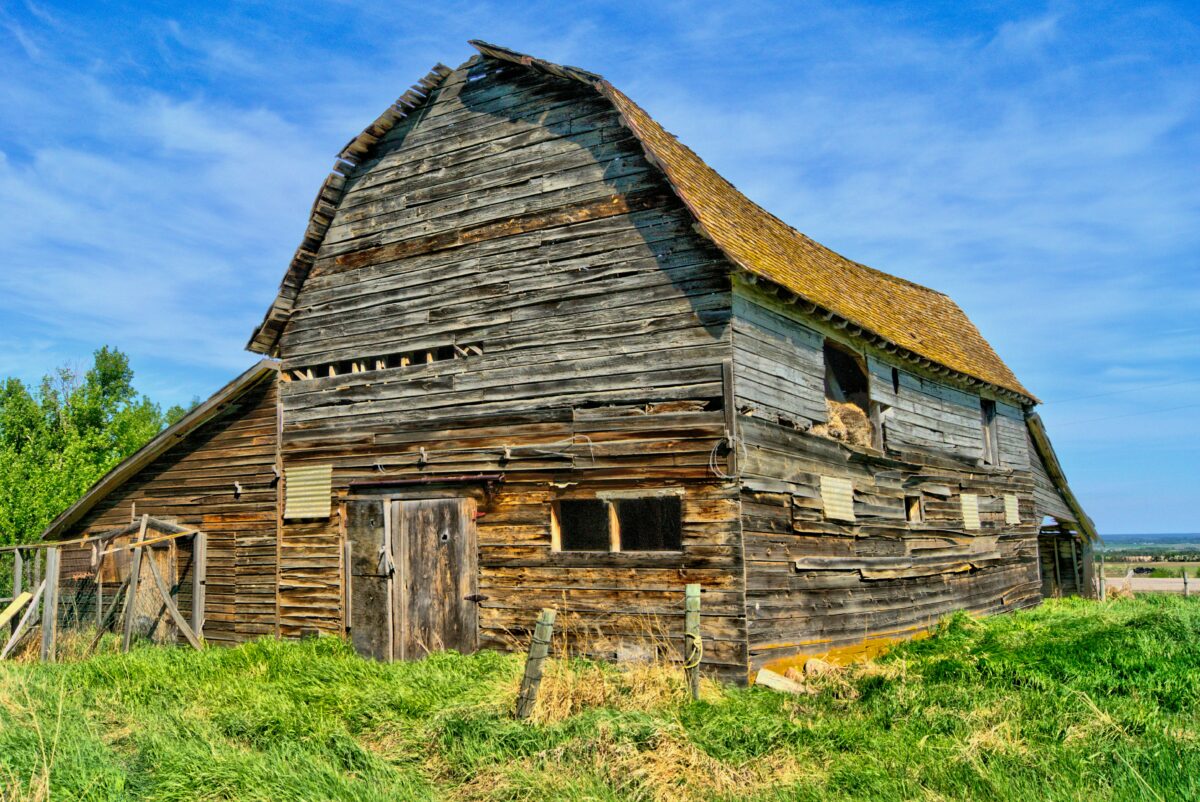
x=1037 y=163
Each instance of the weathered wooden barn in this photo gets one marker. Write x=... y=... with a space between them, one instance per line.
x=534 y=352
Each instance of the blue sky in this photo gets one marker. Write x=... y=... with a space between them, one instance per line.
x=1038 y=162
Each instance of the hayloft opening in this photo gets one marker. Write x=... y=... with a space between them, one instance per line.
x=847 y=397
x=625 y=524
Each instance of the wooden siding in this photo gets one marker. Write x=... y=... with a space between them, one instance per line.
x=926 y=414
x=518 y=215
x=193 y=484
x=780 y=364
x=815 y=586
x=780 y=377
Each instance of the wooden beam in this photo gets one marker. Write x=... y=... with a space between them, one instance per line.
x=26 y=621
x=14 y=607
x=107 y=620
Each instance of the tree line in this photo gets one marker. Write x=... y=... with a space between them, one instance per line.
x=58 y=437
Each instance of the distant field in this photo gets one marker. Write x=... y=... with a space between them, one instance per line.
x=1157 y=569
x=1072 y=701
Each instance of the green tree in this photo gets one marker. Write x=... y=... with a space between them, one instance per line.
x=57 y=440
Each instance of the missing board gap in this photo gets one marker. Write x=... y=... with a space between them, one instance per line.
x=914 y=511
x=392 y=361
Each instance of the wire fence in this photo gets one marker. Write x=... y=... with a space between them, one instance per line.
x=144 y=581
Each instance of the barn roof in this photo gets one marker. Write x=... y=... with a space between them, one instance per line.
x=160 y=444
x=913 y=321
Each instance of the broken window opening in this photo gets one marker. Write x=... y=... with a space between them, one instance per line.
x=991 y=440
x=652 y=523
x=847 y=398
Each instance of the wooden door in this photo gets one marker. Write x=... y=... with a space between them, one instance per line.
x=436 y=560
x=370 y=574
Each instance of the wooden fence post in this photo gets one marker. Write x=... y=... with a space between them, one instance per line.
x=539 y=647
x=1186 y=592
x=18 y=578
x=1103 y=580
x=693 y=646
x=135 y=570
x=37 y=571
x=50 y=606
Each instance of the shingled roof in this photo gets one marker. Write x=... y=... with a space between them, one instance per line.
x=913 y=321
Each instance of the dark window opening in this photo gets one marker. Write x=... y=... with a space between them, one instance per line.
x=896 y=381
x=847 y=398
x=582 y=525
x=649 y=524
x=991 y=441
x=635 y=524
x=912 y=509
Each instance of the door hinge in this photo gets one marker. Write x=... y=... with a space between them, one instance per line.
x=475 y=597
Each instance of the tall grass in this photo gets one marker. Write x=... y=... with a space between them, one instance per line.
x=1074 y=700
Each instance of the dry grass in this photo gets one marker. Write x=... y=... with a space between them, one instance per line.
x=651 y=678
x=666 y=768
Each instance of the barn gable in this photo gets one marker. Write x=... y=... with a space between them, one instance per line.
x=911 y=321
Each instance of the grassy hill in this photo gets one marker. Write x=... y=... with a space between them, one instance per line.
x=1074 y=700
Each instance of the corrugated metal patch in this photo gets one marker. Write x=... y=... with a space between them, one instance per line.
x=1012 y=513
x=970 y=511
x=837 y=495
x=308 y=490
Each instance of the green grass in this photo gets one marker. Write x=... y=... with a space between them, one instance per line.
x=1070 y=701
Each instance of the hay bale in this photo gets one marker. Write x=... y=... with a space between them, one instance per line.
x=846 y=422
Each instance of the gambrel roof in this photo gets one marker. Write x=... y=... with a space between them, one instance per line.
x=915 y=322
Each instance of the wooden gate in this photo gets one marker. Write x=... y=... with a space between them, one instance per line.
x=412 y=576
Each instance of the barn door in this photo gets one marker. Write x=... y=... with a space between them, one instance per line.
x=370 y=573
x=436 y=559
